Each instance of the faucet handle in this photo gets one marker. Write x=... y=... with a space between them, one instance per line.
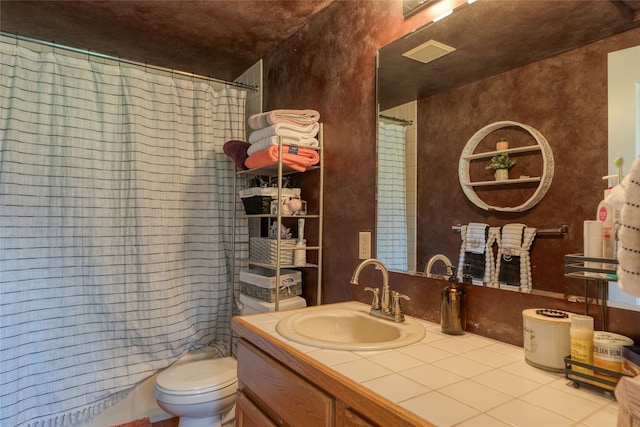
x=396 y=307
x=375 y=304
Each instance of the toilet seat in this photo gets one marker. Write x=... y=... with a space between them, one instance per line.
x=199 y=377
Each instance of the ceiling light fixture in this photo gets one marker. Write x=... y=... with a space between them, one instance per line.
x=444 y=15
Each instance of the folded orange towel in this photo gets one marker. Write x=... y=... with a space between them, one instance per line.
x=297 y=158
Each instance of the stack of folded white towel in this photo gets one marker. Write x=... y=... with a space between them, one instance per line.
x=295 y=128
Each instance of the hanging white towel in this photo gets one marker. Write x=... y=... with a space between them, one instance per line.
x=628 y=396
x=515 y=240
x=477 y=237
x=493 y=237
x=629 y=252
x=616 y=196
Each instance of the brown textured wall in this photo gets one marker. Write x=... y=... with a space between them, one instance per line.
x=330 y=65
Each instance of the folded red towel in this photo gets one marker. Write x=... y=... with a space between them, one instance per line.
x=297 y=158
x=237 y=150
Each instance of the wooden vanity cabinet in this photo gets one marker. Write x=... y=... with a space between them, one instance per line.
x=346 y=417
x=292 y=392
x=283 y=397
x=249 y=415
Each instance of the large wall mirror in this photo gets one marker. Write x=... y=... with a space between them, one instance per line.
x=543 y=63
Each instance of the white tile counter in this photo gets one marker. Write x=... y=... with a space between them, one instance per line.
x=466 y=381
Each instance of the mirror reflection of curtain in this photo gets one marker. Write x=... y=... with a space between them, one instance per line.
x=391 y=245
x=115 y=245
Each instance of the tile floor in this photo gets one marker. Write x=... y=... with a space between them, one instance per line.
x=464 y=381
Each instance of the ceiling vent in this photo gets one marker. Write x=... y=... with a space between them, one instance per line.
x=428 y=51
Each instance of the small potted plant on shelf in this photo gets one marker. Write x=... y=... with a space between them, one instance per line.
x=501 y=164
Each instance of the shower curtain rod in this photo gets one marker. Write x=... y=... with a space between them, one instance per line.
x=127 y=61
x=397 y=120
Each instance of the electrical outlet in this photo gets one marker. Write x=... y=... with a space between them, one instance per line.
x=364 y=245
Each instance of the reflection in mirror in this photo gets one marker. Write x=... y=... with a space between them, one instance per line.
x=624 y=123
x=410 y=7
x=396 y=206
x=490 y=38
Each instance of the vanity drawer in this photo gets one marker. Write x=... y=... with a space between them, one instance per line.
x=249 y=415
x=281 y=394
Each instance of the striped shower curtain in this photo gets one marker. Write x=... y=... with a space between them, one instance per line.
x=115 y=229
x=391 y=235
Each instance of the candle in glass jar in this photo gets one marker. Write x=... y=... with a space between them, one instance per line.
x=502 y=145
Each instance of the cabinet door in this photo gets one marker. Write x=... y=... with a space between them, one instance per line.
x=279 y=392
x=249 y=415
x=347 y=417
x=353 y=419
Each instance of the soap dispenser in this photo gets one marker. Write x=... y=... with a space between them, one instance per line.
x=452 y=307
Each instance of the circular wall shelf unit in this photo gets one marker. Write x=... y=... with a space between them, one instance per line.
x=468 y=154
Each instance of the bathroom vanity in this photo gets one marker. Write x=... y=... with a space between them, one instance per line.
x=292 y=391
x=280 y=385
x=442 y=380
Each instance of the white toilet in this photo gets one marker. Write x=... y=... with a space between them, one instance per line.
x=202 y=393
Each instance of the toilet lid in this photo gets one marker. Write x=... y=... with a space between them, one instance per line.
x=210 y=374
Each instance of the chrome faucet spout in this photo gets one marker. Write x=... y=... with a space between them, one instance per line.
x=433 y=260
x=384 y=300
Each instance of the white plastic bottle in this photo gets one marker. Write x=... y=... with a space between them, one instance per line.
x=606 y=215
x=581 y=332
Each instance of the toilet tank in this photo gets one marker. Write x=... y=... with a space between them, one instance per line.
x=252 y=305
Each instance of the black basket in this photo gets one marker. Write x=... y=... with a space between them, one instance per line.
x=256 y=205
x=605 y=385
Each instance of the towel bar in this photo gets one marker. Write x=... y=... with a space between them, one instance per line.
x=560 y=231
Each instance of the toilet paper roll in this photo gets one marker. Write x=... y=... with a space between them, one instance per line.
x=593 y=242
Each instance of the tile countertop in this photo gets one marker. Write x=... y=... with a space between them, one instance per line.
x=465 y=380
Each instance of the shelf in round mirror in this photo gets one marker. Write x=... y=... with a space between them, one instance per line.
x=541 y=148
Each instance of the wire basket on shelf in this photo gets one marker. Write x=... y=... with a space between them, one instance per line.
x=263 y=249
x=269 y=294
x=257 y=200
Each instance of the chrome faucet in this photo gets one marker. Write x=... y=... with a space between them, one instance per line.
x=433 y=260
x=381 y=307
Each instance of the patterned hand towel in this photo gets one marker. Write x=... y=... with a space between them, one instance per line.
x=476 y=237
x=474 y=252
x=513 y=266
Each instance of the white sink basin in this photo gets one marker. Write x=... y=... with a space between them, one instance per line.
x=347 y=327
